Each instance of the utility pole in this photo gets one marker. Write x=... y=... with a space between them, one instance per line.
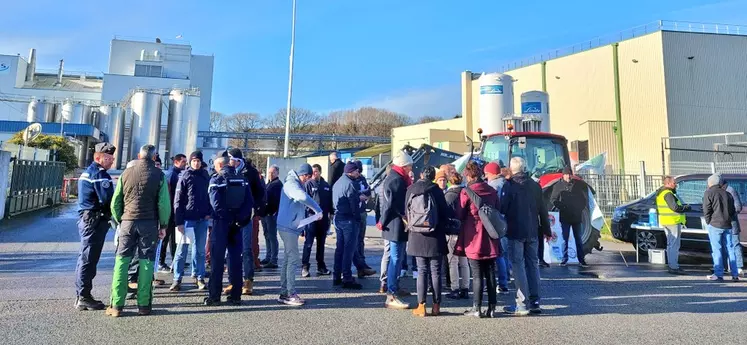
x=290 y=82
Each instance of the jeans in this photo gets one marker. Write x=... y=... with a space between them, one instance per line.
x=197 y=230
x=566 y=228
x=504 y=265
x=458 y=266
x=396 y=257
x=247 y=257
x=526 y=272
x=540 y=248
x=737 y=246
x=674 y=238
x=426 y=265
x=483 y=270
x=315 y=231
x=360 y=257
x=385 y=263
x=716 y=235
x=347 y=245
x=270 y=229
x=290 y=263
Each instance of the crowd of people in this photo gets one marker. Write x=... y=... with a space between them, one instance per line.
x=435 y=219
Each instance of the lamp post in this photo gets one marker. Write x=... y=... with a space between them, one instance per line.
x=290 y=82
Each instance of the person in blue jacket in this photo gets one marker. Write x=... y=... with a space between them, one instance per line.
x=95 y=191
x=191 y=214
x=232 y=202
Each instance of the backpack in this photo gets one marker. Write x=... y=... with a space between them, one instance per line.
x=235 y=191
x=492 y=220
x=422 y=213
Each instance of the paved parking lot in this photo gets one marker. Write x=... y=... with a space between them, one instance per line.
x=608 y=303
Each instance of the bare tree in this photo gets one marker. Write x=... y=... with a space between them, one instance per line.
x=366 y=121
x=217 y=121
x=302 y=121
x=429 y=119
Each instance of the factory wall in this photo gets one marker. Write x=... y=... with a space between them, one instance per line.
x=124 y=54
x=528 y=78
x=117 y=86
x=706 y=77
x=201 y=76
x=417 y=135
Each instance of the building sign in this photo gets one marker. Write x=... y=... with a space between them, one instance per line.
x=4 y=68
x=491 y=90
x=531 y=108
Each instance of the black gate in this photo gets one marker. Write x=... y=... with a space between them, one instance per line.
x=34 y=185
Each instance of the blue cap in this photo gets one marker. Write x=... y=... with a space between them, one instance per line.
x=305 y=169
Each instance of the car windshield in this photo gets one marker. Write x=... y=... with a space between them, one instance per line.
x=543 y=155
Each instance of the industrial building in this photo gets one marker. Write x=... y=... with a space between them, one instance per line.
x=639 y=88
x=151 y=89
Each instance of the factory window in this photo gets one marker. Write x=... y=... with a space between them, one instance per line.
x=148 y=71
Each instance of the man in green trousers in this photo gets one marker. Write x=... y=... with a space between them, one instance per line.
x=141 y=206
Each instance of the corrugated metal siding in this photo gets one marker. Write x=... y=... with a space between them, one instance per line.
x=602 y=139
x=642 y=101
x=705 y=94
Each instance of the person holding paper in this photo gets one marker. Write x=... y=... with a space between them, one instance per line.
x=346 y=198
x=359 y=257
x=191 y=213
x=321 y=192
x=292 y=209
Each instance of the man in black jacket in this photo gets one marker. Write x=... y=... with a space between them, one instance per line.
x=321 y=192
x=336 y=168
x=360 y=255
x=570 y=197
x=718 y=211
x=180 y=162
x=251 y=176
x=270 y=220
x=525 y=211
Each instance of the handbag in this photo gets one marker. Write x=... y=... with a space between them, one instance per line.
x=492 y=219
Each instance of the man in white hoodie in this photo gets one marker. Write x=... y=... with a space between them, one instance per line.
x=292 y=209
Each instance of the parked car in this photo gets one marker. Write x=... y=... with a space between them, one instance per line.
x=690 y=189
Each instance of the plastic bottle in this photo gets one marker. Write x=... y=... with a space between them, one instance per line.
x=653 y=218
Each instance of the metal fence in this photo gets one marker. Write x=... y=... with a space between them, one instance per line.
x=34 y=185
x=682 y=168
x=615 y=190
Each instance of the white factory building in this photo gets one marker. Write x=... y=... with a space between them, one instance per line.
x=151 y=89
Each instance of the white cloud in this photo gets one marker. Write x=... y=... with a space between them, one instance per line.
x=444 y=101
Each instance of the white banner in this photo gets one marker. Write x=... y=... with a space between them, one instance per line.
x=554 y=248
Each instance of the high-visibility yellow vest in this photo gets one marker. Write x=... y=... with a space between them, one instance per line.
x=667 y=216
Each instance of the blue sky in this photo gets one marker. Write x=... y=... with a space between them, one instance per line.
x=404 y=55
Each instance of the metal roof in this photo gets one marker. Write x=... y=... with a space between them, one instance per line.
x=53 y=128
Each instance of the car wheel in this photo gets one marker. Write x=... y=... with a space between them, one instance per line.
x=648 y=240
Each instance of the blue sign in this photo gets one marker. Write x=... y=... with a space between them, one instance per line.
x=531 y=108
x=491 y=90
x=4 y=68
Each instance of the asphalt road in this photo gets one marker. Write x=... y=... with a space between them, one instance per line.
x=609 y=303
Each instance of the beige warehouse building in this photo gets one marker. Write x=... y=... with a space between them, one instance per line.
x=674 y=80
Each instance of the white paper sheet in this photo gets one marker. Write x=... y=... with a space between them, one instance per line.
x=184 y=238
x=306 y=221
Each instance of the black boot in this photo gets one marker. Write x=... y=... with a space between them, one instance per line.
x=490 y=313
x=89 y=303
x=475 y=311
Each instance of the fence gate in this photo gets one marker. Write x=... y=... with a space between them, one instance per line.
x=34 y=185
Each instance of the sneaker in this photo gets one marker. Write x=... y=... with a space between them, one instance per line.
x=305 y=273
x=201 y=284
x=323 y=272
x=210 y=302
x=393 y=302
x=89 y=303
x=113 y=311
x=453 y=295
x=162 y=268
x=713 y=277
x=535 y=309
x=282 y=299
x=502 y=291
x=270 y=266
x=233 y=302
x=514 y=311
x=143 y=311
x=564 y=263
x=352 y=285
x=464 y=294
x=366 y=272
x=176 y=286
x=294 y=300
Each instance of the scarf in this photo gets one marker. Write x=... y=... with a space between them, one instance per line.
x=401 y=172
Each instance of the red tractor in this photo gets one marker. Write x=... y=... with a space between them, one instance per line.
x=546 y=154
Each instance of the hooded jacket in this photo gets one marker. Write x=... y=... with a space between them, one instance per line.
x=524 y=208
x=473 y=241
x=571 y=198
x=433 y=244
x=191 y=198
x=293 y=204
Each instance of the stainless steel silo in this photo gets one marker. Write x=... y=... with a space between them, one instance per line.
x=49 y=112
x=66 y=115
x=33 y=111
x=146 y=120
x=112 y=121
x=184 y=112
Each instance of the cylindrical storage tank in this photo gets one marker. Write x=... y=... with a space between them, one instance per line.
x=184 y=112
x=146 y=120
x=81 y=113
x=536 y=103
x=48 y=113
x=66 y=115
x=33 y=110
x=83 y=152
x=496 y=101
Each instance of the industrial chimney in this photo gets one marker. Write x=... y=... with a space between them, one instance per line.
x=31 y=67
x=59 y=73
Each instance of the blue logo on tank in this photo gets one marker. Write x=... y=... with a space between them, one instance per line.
x=531 y=108
x=491 y=90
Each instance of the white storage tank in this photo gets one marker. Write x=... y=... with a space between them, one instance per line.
x=146 y=120
x=535 y=105
x=184 y=112
x=496 y=101
x=66 y=115
x=32 y=113
x=81 y=113
x=112 y=120
x=47 y=113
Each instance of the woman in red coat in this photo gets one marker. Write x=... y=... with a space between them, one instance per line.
x=475 y=243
